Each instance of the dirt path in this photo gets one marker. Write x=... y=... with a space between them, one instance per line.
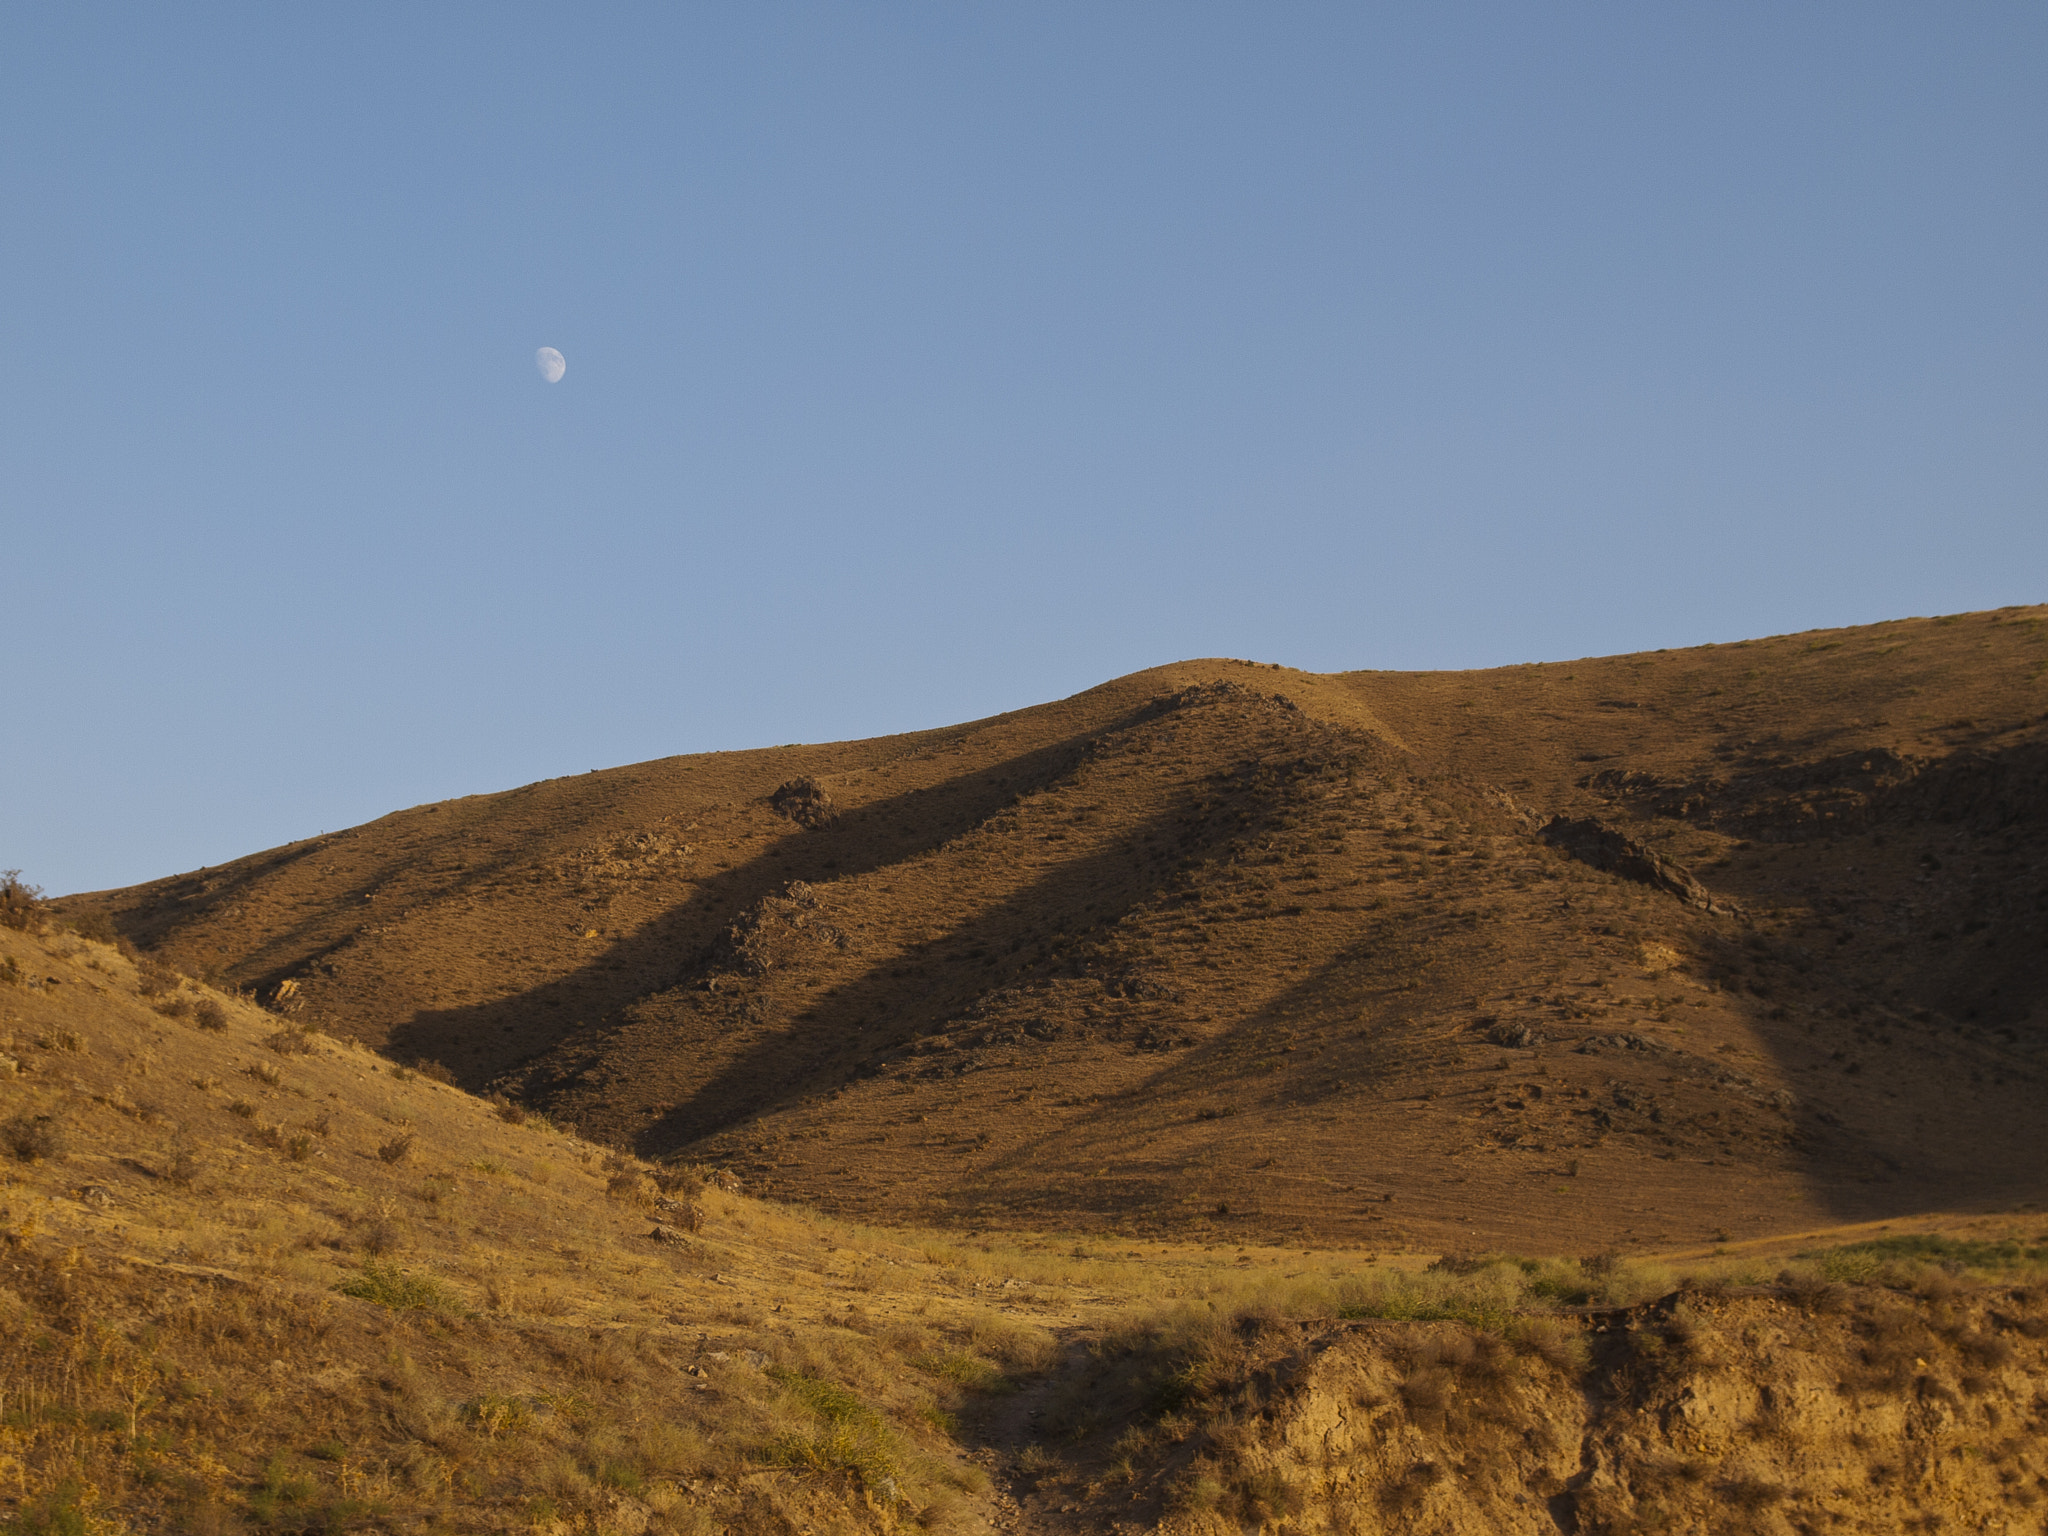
x=1016 y=1505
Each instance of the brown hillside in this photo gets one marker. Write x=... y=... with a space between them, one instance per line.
x=1647 y=948
x=253 y=1279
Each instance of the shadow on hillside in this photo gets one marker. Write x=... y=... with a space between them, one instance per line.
x=676 y=946
x=824 y=1046
x=1858 y=1174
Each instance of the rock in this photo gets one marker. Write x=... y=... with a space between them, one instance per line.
x=662 y=1234
x=1517 y=1034
x=803 y=801
x=1594 y=842
x=686 y=1214
x=1595 y=1044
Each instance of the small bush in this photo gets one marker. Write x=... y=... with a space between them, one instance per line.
x=208 y=1014
x=178 y=1007
x=21 y=905
x=389 y=1286
x=264 y=1073
x=153 y=978
x=397 y=1149
x=630 y=1187
x=292 y=1040
x=243 y=1108
x=510 y=1113
x=686 y=1183
x=33 y=1138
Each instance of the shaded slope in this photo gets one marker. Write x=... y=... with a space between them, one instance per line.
x=1231 y=946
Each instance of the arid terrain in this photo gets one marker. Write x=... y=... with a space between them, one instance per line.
x=1598 y=1098
x=256 y=1279
x=1638 y=950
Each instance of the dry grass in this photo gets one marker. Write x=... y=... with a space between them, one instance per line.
x=247 y=1309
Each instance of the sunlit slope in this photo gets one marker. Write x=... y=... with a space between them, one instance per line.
x=1230 y=946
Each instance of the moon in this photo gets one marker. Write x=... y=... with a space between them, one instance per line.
x=552 y=364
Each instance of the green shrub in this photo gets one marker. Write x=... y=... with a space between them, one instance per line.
x=389 y=1286
x=58 y=1513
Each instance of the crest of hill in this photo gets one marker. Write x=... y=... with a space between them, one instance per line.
x=1623 y=950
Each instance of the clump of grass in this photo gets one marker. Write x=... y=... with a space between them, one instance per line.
x=493 y=1416
x=398 y=1148
x=851 y=1440
x=389 y=1286
x=208 y=1014
x=292 y=1040
x=970 y=1372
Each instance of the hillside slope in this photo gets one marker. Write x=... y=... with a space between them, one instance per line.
x=1628 y=950
x=257 y=1280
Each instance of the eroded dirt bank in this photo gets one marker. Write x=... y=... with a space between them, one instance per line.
x=1791 y=1409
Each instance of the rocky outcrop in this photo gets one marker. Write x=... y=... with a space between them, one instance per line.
x=1594 y=842
x=804 y=801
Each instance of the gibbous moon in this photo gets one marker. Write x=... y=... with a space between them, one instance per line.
x=552 y=364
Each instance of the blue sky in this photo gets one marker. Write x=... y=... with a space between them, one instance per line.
x=925 y=362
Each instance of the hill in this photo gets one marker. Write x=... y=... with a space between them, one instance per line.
x=1671 y=947
x=255 y=1279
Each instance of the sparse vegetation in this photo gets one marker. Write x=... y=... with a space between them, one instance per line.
x=1254 y=1017
x=389 y=1286
x=32 y=1138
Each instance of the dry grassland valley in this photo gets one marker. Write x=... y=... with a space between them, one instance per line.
x=1595 y=1097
